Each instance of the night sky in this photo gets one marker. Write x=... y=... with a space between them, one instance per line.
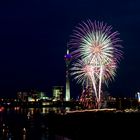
x=34 y=36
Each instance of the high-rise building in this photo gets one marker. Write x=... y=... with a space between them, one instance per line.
x=57 y=93
x=67 y=88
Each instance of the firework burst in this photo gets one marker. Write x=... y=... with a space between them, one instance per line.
x=98 y=51
x=84 y=73
x=95 y=41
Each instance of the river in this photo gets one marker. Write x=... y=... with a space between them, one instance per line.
x=27 y=124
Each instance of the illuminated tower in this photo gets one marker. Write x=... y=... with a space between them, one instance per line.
x=67 y=60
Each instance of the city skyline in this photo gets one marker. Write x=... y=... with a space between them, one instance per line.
x=34 y=36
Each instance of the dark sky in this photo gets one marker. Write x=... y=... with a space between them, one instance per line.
x=34 y=36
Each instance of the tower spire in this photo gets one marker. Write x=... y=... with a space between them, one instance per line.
x=67 y=60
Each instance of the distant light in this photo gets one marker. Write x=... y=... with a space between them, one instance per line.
x=1 y=109
x=8 y=103
x=138 y=96
x=31 y=99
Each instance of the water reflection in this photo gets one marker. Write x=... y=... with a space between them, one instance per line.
x=27 y=123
